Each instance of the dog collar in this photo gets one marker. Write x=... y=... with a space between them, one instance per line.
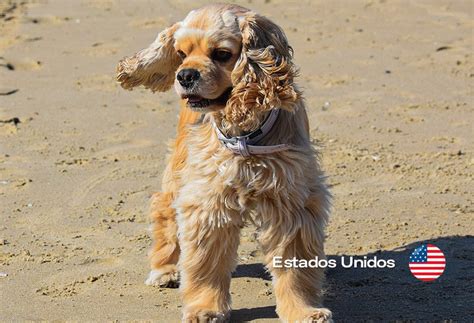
x=248 y=145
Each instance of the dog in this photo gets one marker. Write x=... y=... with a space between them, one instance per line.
x=243 y=154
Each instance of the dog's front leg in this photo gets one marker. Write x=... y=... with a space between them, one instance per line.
x=291 y=233
x=209 y=242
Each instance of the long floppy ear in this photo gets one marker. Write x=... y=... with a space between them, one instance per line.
x=263 y=75
x=154 y=67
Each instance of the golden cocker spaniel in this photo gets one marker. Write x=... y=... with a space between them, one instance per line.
x=242 y=154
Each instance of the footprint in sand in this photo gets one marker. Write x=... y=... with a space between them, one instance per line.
x=97 y=82
x=89 y=187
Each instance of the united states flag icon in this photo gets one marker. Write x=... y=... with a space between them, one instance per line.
x=427 y=262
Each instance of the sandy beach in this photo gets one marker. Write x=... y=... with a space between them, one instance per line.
x=389 y=91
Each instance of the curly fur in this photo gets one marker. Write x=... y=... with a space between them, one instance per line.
x=208 y=193
x=152 y=67
x=263 y=76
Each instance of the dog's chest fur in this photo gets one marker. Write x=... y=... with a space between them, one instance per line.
x=239 y=183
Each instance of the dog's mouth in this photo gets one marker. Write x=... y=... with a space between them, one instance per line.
x=197 y=102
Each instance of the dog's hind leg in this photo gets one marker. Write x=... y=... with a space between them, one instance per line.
x=165 y=252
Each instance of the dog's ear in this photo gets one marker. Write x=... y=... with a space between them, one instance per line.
x=263 y=75
x=153 y=67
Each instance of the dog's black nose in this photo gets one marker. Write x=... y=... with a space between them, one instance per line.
x=187 y=77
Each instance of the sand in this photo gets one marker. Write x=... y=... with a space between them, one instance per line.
x=389 y=89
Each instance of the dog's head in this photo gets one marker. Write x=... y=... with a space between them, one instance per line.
x=219 y=58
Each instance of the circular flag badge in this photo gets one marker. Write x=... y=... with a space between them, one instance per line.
x=427 y=262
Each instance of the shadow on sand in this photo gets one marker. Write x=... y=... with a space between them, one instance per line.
x=380 y=295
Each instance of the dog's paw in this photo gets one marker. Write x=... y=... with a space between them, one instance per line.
x=204 y=316
x=161 y=278
x=319 y=315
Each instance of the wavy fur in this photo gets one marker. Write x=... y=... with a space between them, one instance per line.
x=263 y=77
x=208 y=193
x=152 y=67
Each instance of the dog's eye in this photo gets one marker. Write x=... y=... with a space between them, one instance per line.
x=181 y=54
x=221 y=55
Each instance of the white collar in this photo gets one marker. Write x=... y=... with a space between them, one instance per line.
x=248 y=145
